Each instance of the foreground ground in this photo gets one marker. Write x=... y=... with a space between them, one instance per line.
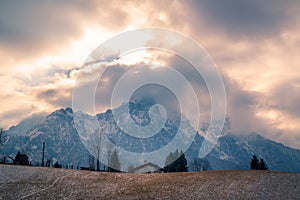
x=17 y=182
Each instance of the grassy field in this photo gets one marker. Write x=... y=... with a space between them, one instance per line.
x=18 y=182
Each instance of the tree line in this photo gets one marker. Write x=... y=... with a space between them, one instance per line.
x=175 y=161
x=258 y=164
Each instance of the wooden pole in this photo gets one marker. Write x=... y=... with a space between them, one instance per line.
x=43 y=156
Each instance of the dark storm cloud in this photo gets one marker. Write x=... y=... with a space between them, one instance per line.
x=243 y=18
x=240 y=98
x=105 y=88
x=242 y=105
x=234 y=32
x=60 y=97
x=113 y=74
x=286 y=98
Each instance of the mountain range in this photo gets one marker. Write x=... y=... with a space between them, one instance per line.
x=65 y=145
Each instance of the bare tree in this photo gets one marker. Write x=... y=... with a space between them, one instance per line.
x=200 y=164
x=109 y=157
x=91 y=162
x=97 y=145
x=1 y=137
x=115 y=162
x=1 y=141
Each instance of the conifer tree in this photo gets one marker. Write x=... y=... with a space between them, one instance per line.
x=21 y=159
x=263 y=165
x=258 y=164
x=176 y=162
x=254 y=163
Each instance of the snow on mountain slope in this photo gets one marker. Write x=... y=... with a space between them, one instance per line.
x=28 y=124
x=58 y=133
x=235 y=152
x=63 y=142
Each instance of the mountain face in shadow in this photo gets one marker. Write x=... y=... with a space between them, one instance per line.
x=63 y=143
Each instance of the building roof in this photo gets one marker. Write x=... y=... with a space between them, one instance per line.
x=145 y=165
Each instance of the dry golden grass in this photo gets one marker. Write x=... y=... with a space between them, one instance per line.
x=18 y=182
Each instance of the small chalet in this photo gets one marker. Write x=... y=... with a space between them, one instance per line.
x=148 y=167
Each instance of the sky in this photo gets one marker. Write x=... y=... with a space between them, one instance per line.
x=255 y=45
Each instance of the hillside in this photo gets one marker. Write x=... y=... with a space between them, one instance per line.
x=65 y=145
x=17 y=182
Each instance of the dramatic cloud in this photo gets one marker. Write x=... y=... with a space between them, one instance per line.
x=286 y=98
x=32 y=28
x=255 y=45
x=250 y=19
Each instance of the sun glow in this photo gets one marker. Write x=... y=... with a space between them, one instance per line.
x=279 y=120
x=72 y=56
